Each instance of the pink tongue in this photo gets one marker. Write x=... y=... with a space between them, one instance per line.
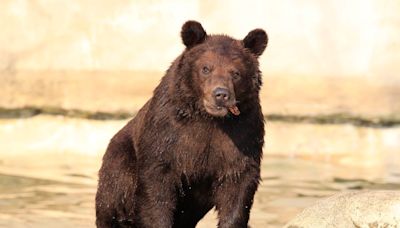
x=234 y=110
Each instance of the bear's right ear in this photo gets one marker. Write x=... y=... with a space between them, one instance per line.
x=256 y=41
x=192 y=33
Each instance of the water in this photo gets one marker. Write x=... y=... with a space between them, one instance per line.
x=48 y=169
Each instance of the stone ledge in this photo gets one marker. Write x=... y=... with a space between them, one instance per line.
x=127 y=91
x=335 y=118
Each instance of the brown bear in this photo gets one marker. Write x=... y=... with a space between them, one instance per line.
x=195 y=145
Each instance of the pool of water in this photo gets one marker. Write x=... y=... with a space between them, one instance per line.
x=48 y=169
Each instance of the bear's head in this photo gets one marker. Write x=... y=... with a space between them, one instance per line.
x=222 y=73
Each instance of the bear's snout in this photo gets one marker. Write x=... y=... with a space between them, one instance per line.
x=221 y=96
x=220 y=101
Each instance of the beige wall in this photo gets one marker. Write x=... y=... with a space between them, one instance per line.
x=47 y=47
x=358 y=37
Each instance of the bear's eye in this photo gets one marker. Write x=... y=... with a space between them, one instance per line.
x=206 y=70
x=236 y=75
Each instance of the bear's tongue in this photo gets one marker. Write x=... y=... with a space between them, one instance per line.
x=234 y=110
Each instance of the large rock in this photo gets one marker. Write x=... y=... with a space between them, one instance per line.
x=352 y=209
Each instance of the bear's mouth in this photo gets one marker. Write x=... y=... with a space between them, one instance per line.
x=220 y=111
x=234 y=110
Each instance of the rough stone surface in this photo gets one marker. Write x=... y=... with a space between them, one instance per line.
x=352 y=209
x=80 y=55
x=127 y=91
x=309 y=38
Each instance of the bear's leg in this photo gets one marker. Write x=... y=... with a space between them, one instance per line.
x=115 y=199
x=157 y=196
x=235 y=198
x=194 y=201
x=189 y=215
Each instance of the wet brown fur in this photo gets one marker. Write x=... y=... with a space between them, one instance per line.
x=174 y=161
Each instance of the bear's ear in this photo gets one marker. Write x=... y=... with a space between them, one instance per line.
x=256 y=41
x=192 y=33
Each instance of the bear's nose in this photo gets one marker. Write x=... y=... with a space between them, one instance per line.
x=221 y=94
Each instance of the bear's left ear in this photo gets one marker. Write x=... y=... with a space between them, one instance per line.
x=192 y=33
x=256 y=41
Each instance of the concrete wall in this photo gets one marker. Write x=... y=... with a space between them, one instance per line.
x=359 y=37
x=50 y=47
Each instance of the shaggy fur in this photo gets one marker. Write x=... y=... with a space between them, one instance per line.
x=179 y=158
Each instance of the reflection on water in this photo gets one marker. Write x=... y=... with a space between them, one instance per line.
x=41 y=202
x=57 y=188
x=288 y=186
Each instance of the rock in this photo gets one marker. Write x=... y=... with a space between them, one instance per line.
x=352 y=209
